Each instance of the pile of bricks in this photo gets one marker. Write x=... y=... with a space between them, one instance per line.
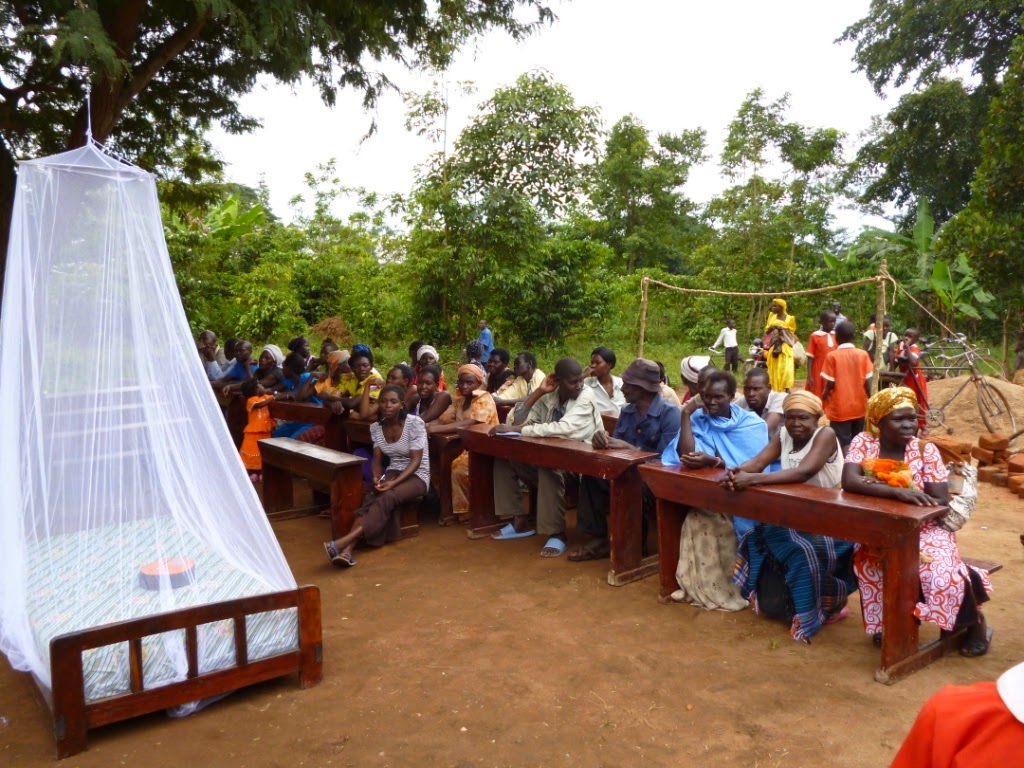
x=995 y=465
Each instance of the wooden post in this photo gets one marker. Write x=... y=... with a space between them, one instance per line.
x=883 y=273
x=643 y=314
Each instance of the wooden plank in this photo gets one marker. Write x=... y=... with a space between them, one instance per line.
x=618 y=466
x=358 y=430
x=554 y=452
x=135 y=664
x=285 y=446
x=305 y=413
x=118 y=708
x=444 y=449
x=241 y=641
x=192 y=650
x=310 y=637
x=893 y=528
x=989 y=566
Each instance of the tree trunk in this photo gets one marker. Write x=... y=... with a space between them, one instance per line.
x=8 y=183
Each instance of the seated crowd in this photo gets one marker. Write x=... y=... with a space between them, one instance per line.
x=760 y=431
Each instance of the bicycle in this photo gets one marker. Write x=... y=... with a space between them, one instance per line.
x=958 y=364
x=993 y=406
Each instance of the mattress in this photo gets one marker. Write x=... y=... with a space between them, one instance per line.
x=85 y=579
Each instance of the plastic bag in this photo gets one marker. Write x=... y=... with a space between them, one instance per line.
x=963 y=485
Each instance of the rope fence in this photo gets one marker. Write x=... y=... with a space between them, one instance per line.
x=880 y=280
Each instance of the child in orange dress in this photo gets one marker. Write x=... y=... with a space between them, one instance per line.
x=259 y=427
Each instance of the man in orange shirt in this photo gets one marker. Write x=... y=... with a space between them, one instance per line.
x=819 y=346
x=847 y=374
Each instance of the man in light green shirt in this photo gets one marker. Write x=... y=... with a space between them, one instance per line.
x=560 y=407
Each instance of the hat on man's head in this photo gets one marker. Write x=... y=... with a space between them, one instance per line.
x=691 y=366
x=644 y=374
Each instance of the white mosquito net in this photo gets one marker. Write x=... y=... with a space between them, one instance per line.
x=113 y=451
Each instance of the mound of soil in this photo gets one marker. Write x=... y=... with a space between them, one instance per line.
x=333 y=328
x=962 y=415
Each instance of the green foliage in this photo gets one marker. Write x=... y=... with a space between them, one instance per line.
x=532 y=139
x=957 y=291
x=637 y=193
x=901 y=39
x=926 y=148
x=989 y=229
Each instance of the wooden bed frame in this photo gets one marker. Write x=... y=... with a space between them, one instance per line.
x=73 y=716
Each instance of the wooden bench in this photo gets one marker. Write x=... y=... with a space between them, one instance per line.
x=619 y=467
x=333 y=423
x=342 y=473
x=891 y=527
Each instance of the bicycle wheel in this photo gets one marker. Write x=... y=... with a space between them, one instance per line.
x=994 y=408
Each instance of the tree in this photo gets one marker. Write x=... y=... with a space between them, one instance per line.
x=637 y=192
x=478 y=218
x=989 y=229
x=160 y=72
x=900 y=40
x=929 y=144
x=530 y=138
x=926 y=149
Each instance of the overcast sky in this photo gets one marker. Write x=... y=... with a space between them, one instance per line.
x=674 y=64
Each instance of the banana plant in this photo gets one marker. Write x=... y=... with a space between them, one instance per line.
x=957 y=291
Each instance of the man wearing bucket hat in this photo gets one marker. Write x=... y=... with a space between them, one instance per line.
x=646 y=422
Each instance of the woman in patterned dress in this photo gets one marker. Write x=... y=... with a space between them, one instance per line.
x=951 y=591
x=471 y=405
x=401 y=437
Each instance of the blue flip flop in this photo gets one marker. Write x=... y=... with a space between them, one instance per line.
x=510 y=532
x=553 y=543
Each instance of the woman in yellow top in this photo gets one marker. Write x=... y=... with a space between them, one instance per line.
x=781 y=327
x=779 y=312
x=472 y=404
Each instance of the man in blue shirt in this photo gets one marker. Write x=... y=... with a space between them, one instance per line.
x=487 y=339
x=646 y=422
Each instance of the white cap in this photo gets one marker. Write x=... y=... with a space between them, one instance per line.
x=1011 y=688
x=691 y=366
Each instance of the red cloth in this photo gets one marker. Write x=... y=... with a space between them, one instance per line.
x=819 y=346
x=963 y=727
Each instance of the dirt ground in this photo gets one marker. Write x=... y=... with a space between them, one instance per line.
x=441 y=651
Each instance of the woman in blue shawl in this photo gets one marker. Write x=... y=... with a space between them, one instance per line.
x=721 y=435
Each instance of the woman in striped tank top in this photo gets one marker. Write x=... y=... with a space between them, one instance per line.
x=402 y=438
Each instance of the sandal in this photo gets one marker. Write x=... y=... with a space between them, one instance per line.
x=978 y=646
x=593 y=550
x=331 y=550
x=877 y=639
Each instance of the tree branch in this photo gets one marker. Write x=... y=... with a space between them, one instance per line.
x=164 y=53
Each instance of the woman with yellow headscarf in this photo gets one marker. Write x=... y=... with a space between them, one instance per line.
x=799 y=577
x=888 y=461
x=778 y=345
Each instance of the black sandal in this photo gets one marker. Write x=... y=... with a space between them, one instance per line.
x=978 y=646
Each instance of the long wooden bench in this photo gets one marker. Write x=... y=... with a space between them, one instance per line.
x=892 y=527
x=284 y=458
x=618 y=466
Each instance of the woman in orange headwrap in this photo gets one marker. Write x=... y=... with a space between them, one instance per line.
x=471 y=404
x=889 y=461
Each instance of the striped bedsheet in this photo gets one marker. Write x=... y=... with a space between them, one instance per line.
x=60 y=602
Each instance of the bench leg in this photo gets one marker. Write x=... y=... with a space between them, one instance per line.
x=900 y=654
x=409 y=518
x=625 y=530
x=670 y=525
x=310 y=638
x=482 y=519
x=346 y=496
x=277 y=488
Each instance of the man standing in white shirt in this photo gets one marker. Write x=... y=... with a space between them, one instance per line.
x=732 y=348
